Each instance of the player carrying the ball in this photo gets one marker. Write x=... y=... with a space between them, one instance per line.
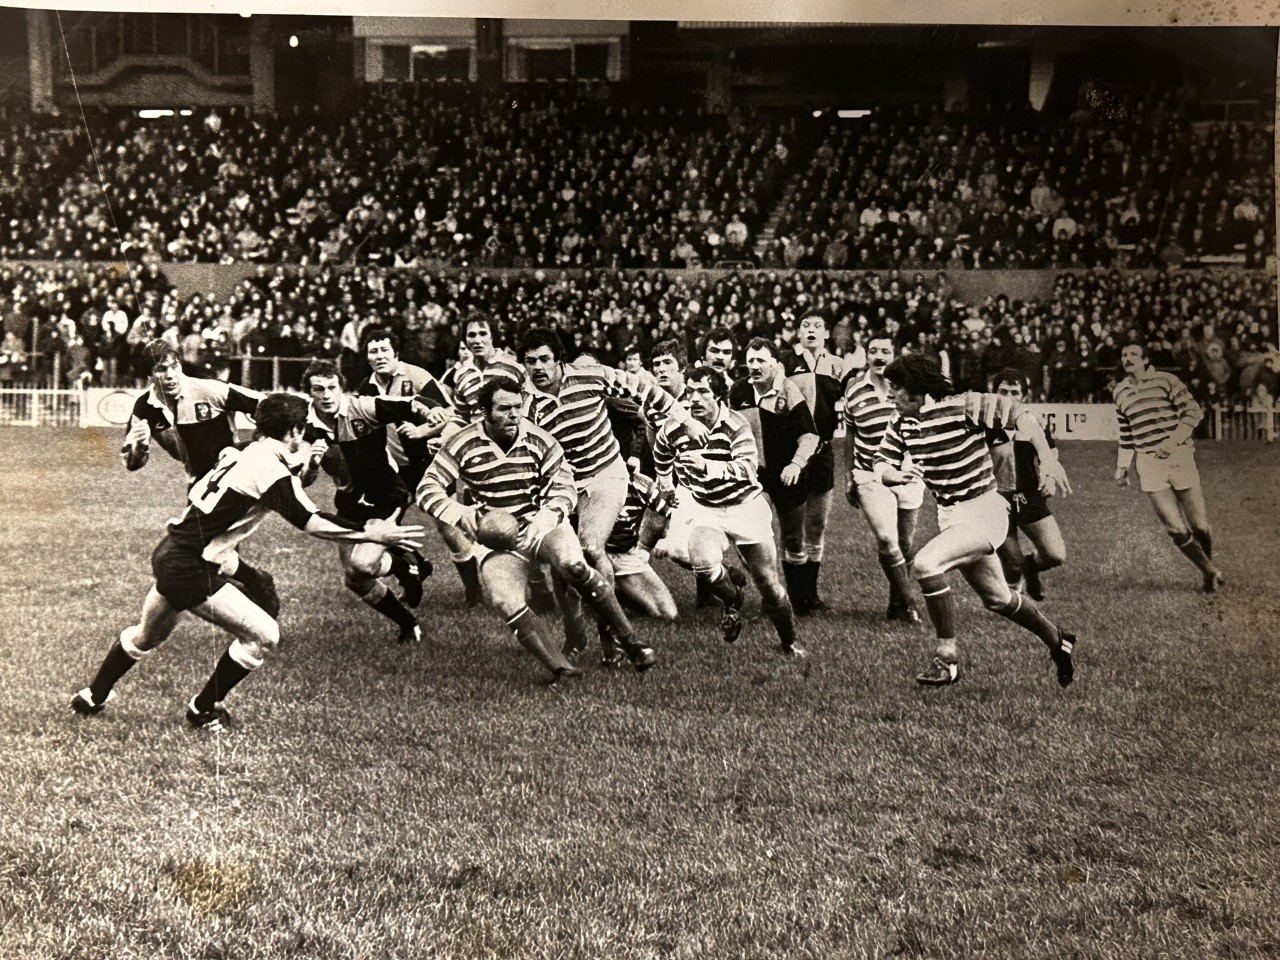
x=513 y=468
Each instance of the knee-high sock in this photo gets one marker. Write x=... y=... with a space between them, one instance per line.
x=783 y=622
x=1024 y=612
x=389 y=605
x=1205 y=539
x=895 y=571
x=940 y=604
x=533 y=635
x=597 y=594
x=1190 y=546
x=722 y=586
x=469 y=574
x=119 y=659
x=234 y=665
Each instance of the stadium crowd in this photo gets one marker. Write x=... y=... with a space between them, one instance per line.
x=1217 y=329
x=576 y=176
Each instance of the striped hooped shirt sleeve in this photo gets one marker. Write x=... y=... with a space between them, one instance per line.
x=867 y=415
x=948 y=448
x=731 y=455
x=1150 y=410
x=530 y=476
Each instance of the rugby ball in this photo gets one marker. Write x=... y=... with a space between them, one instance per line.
x=498 y=529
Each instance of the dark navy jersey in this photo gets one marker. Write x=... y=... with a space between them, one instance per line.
x=359 y=430
x=202 y=416
x=231 y=500
x=410 y=381
x=821 y=381
x=1015 y=460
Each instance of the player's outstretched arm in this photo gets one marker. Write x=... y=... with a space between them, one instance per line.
x=389 y=534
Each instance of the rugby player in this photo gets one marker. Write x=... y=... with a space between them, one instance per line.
x=510 y=463
x=948 y=451
x=1157 y=416
x=369 y=486
x=715 y=470
x=194 y=562
x=786 y=440
x=1018 y=480
x=488 y=361
x=820 y=376
x=891 y=512
x=192 y=418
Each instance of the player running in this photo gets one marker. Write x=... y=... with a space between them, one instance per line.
x=948 y=450
x=194 y=562
x=369 y=487
x=192 y=418
x=727 y=506
x=1157 y=416
x=511 y=464
x=892 y=512
x=1018 y=480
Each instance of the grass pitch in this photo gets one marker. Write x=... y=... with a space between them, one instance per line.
x=383 y=802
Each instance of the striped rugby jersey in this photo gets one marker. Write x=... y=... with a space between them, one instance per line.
x=532 y=474
x=577 y=417
x=230 y=501
x=470 y=378
x=732 y=451
x=948 y=448
x=642 y=494
x=1151 y=409
x=868 y=411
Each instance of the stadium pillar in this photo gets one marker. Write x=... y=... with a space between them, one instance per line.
x=40 y=60
x=488 y=52
x=262 y=65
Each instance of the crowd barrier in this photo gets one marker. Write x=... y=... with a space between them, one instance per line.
x=108 y=407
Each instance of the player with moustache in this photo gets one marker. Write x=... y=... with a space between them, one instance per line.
x=195 y=561
x=786 y=440
x=517 y=470
x=892 y=512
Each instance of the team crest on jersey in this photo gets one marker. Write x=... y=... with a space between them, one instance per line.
x=406 y=389
x=359 y=427
x=204 y=411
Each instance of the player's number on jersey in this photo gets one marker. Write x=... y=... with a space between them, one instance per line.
x=206 y=494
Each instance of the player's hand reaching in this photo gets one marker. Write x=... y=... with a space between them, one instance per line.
x=391 y=534
x=791 y=474
x=137 y=444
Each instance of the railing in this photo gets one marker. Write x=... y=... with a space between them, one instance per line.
x=36 y=407
x=29 y=407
